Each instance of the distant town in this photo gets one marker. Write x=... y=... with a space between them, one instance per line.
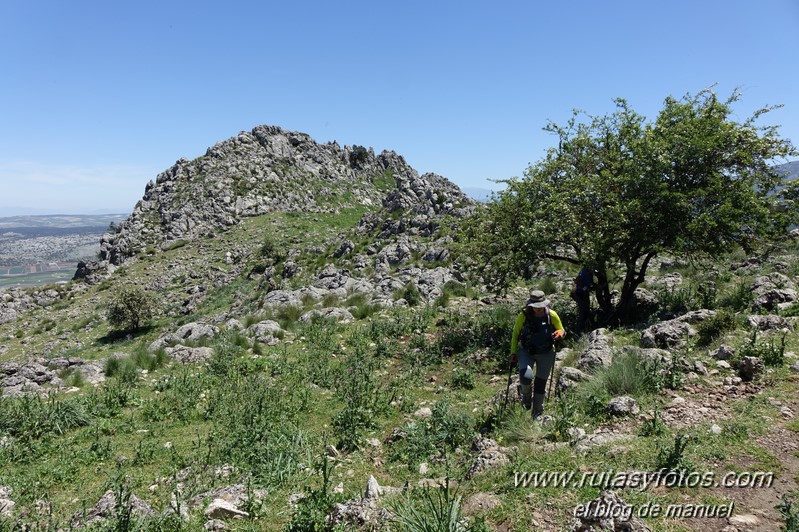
x=40 y=250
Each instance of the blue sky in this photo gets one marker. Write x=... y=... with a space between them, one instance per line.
x=97 y=98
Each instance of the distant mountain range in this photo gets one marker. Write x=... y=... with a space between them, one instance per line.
x=60 y=221
x=479 y=194
x=791 y=170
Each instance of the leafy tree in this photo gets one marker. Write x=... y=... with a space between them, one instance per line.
x=358 y=155
x=617 y=190
x=130 y=307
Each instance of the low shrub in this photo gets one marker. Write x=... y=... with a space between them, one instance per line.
x=436 y=509
x=123 y=368
x=772 y=354
x=444 y=431
x=130 y=307
x=463 y=379
x=714 y=327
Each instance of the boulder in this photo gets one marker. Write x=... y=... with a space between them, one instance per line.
x=749 y=368
x=267 y=332
x=598 y=353
x=222 y=509
x=768 y=322
x=673 y=333
x=106 y=508
x=623 y=406
x=568 y=377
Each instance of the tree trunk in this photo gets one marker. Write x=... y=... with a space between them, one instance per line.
x=603 y=297
x=625 y=311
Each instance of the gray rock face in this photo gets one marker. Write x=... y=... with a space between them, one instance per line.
x=189 y=355
x=724 y=352
x=267 y=332
x=598 y=353
x=773 y=291
x=364 y=513
x=186 y=334
x=672 y=333
x=489 y=456
x=6 y=504
x=338 y=314
x=769 y=322
x=644 y=302
x=569 y=377
x=29 y=378
x=269 y=169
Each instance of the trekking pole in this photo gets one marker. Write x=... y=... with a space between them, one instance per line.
x=552 y=371
x=507 y=388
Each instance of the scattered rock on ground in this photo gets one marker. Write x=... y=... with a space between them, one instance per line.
x=106 y=508
x=608 y=512
x=623 y=405
x=749 y=368
x=489 y=455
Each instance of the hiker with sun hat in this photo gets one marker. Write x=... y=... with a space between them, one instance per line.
x=533 y=345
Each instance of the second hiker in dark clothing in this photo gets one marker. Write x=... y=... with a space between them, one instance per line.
x=581 y=293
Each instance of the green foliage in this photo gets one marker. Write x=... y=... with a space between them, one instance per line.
x=738 y=299
x=149 y=361
x=653 y=426
x=564 y=417
x=177 y=244
x=256 y=428
x=130 y=307
x=122 y=517
x=772 y=354
x=358 y=155
x=671 y=454
x=694 y=181
x=410 y=293
x=272 y=251
x=629 y=374
x=364 y=397
x=310 y=514
x=444 y=431
x=491 y=329
x=30 y=418
x=679 y=300
x=548 y=285
x=288 y=316
x=789 y=511
x=673 y=375
x=123 y=368
x=463 y=379
x=453 y=288
x=714 y=327
x=436 y=510
x=792 y=311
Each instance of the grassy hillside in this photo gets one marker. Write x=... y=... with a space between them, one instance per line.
x=290 y=424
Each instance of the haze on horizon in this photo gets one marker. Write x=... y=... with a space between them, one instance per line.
x=99 y=98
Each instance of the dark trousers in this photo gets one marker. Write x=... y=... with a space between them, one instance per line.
x=583 y=301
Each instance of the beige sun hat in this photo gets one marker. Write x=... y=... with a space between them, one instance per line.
x=537 y=300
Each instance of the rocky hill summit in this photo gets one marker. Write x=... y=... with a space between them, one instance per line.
x=269 y=170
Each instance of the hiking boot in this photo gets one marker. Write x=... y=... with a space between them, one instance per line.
x=538 y=404
x=526 y=394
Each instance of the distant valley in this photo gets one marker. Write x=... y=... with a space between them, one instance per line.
x=36 y=250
